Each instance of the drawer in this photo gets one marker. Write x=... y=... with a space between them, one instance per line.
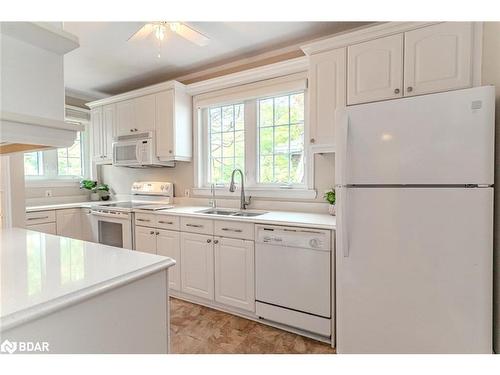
x=195 y=225
x=145 y=219
x=234 y=229
x=40 y=217
x=167 y=222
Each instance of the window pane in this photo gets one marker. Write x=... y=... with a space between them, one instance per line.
x=281 y=139
x=33 y=164
x=226 y=126
x=69 y=160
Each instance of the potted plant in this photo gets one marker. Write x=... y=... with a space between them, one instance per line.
x=330 y=198
x=91 y=186
x=103 y=191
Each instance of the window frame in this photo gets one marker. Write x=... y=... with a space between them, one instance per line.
x=201 y=142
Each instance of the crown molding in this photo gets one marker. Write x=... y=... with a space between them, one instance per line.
x=361 y=35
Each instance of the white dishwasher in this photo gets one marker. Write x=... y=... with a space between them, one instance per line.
x=293 y=277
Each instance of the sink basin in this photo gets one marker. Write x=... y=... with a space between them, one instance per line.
x=217 y=211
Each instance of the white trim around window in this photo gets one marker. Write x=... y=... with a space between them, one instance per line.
x=248 y=95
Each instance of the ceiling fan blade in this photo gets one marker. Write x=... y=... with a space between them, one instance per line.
x=190 y=34
x=142 y=33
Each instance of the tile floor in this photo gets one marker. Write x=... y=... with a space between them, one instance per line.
x=197 y=329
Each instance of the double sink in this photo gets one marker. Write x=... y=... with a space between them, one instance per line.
x=233 y=213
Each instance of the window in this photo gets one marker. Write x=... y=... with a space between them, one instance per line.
x=262 y=135
x=69 y=160
x=62 y=163
x=33 y=163
x=226 y=132
x=281 y=140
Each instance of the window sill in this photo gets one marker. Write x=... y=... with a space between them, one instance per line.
x=52 y=182
x=258 y=193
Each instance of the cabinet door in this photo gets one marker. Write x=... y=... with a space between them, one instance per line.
x=125 y=117
x=197 y=270
x=69 y=223
x=164 y=125
x=108 y=130
x=144 y=108
x=438 y=58
x=86 y=221
x=375 y=70
x=49 y=228
x=234 y=273
x=96 y=129
x=145 y=239
x=327 y=75
x=168 y=243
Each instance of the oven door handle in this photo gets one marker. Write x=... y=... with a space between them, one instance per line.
x=106 y=214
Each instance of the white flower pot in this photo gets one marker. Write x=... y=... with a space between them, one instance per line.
x=331 y=209
x=94 y=196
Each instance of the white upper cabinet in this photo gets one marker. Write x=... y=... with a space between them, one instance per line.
x=438 y=58
x=375 y=70
x=327 y=92
x=164 y=109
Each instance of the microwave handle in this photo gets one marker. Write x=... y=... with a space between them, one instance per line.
x=138 y=154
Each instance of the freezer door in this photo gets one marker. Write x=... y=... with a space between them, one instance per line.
x=445 y=138
x=414 y=270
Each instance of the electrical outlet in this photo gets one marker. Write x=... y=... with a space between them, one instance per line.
x=187 y=192
x=48 y=193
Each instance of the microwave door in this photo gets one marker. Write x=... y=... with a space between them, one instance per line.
x=125 y=153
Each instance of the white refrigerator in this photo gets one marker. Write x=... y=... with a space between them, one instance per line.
x=414 y=244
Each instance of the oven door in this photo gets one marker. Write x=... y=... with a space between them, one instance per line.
x=112 y=228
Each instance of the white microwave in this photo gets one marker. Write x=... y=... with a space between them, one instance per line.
x=137 y=150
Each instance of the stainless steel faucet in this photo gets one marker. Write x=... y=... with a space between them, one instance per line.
x=232 y=187
x=213 y=201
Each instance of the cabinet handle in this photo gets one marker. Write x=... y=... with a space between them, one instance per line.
x=312 y=140
x=194 y=225
x=396 y=91
x=37 y=218
x=169 y=151
x=216 y=241
x=409 y=89
x=135 y=129
x=157 y=233
x=146 y=220
x=232 y=230
x=152 y=232
x=209 y=240
x=165 y=222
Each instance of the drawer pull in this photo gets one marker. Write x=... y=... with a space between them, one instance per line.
x=152 y=232
x=232 y=230
x=165 y=222
x=147 y=220
x=37 y=218
x=194 y=225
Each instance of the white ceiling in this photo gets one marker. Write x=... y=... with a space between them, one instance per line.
x=106 y=64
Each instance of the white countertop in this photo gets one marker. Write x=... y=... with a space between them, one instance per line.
x=42 y=273
x=303 y=219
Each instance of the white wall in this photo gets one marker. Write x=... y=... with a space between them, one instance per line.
x=491 y=76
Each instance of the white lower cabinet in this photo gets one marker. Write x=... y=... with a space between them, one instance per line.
x=197 y=265
x=234 y=273
x=86 y=221
x=69 y=223
x=49 y=228
x=168 y=244
x=145 y=239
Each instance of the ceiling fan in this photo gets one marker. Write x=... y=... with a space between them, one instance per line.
x=161 y=28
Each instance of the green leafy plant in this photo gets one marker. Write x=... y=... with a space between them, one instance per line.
x=88 y=185
x=330 y=196
x=102 y=188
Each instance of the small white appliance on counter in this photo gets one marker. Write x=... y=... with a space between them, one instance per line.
x=414 y=254
x=292 y=275
x=138 y=151
x=112 y=222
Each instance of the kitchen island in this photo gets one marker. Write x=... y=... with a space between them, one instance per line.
x=72 y=296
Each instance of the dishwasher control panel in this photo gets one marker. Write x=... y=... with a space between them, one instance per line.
x=317 y=239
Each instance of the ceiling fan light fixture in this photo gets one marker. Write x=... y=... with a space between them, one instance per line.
x=175 y=26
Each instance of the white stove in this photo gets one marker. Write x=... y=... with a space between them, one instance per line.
x=112 y=222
